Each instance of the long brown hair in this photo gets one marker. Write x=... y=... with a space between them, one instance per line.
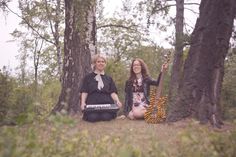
x=144 y=70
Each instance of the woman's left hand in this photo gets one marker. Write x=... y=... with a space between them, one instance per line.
x=164 y=67
x=116 y=99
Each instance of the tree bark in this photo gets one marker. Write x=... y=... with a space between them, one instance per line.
x=199 y=93
x=177 y=68
x=79 y=44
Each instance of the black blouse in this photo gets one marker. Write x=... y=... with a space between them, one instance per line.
x=96 y=96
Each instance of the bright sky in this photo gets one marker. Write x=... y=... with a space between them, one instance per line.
x=8 y=51
x=8 y=23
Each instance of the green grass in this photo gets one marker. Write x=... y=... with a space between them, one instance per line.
x=63 y=136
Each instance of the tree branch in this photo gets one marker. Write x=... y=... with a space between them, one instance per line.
x=186 y=24
x=162 y=8
x=170 y=5
x=191 y=4
x=191 y=10
x=29 y=25
x=49 y=19
x=116 y=25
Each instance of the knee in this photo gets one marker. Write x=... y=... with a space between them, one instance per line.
x=107 y=116
x=138 y=114
x=91 y=117
x=131 y=115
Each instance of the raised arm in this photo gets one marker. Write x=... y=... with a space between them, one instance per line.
x=156 y=82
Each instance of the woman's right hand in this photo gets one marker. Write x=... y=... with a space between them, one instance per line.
x=83 y=100
x=82 y=106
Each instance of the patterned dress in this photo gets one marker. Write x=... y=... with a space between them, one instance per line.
x=138 y=94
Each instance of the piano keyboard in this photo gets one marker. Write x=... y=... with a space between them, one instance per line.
x=101 y=108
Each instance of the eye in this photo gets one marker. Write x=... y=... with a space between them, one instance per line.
x=100 y=61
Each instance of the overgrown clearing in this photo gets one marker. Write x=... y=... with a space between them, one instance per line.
x=70 y=136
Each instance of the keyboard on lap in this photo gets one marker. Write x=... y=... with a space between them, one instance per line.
x=101 y=108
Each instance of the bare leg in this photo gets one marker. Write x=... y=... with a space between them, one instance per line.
x=137 y=112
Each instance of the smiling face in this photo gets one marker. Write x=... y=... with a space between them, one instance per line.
x=100 y=64
x=137 y=68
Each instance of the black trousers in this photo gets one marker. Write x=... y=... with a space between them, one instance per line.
x=99 y=116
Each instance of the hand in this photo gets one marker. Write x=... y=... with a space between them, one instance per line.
x=164 y=67
x=119 y=104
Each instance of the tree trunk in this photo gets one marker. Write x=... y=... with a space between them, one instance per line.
x=199 y=93
x=37 y=53
x=178 y=56
x=57 y=38
x=79 y=43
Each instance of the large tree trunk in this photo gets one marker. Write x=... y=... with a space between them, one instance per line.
x=199 y=94
x=79 y=43
x=178 y=56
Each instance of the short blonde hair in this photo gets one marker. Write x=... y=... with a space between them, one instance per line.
x=95 y=58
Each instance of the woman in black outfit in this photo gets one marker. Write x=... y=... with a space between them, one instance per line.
x=98 y=88
x=137 y=89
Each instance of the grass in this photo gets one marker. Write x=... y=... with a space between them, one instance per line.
x=63 y=136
